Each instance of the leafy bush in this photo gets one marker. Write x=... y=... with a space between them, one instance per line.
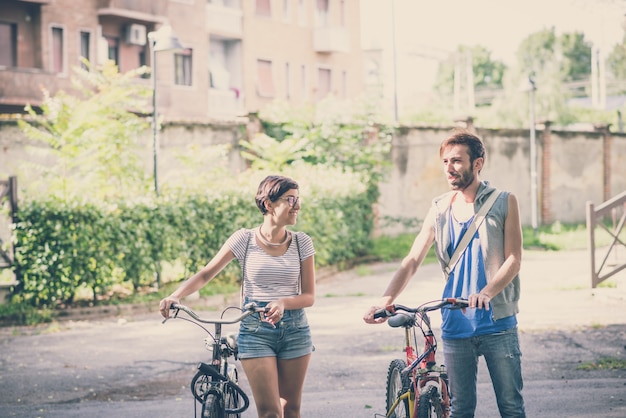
x=66 y=246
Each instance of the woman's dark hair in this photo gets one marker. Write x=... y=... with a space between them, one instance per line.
x=461 y=137
x=271 y=188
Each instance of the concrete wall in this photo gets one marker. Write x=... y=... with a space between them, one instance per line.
x=573 y=167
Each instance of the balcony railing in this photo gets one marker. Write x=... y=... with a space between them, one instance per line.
x=225 y=103
x=331 y=39
x=146 y=8
x=19 y=86
x=224 y=21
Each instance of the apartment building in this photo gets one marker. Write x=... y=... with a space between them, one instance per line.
x=233 y=57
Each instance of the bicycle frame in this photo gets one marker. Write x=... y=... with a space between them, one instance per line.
x=425 y=378
x=214 y=386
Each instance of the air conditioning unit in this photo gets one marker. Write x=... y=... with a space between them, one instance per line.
x=135 y=34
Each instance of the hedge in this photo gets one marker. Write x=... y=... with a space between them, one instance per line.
x=63 y=247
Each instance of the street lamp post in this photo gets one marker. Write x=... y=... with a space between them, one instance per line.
x=533 y=156
x=161 y=40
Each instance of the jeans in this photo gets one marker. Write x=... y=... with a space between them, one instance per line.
x=503 y=357
x=290 y=338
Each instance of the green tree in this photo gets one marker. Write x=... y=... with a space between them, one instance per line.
x=338 y=134
x=488 y=73
x=568 y=54
x=267 y=153
x=92 y=134
x=617 y=60
x=576 y=56
x=536 y=52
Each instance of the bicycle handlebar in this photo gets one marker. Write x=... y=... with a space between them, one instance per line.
x=248 y=309
x=390 y=310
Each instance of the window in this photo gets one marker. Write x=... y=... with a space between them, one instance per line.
x=8 y=44
x=57 y=52
x=342 y=13
x=286 y=10
x=321 y=13
x=302 y=12
x=84 y=47
x=182 y=64
x=303 y=83
x=344 y=84
x=263 y=8
x=265 y=86
x=287 y=82
x=113 y=49
x=323 y=82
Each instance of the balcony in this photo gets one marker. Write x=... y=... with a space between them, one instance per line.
x=331 y=39
x=19 y=86
x=149 y=11
x=226 y=22
x=225 y=103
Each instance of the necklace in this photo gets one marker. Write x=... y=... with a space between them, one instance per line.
x=272 y=244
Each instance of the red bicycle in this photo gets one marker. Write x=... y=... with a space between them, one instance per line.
x=416 y=386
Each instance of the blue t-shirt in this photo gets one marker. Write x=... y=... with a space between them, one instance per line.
x=468 y=277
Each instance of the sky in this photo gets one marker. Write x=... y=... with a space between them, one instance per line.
x=498 y=25
x=426 y=31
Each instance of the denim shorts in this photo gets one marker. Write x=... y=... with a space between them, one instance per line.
x=289 y=339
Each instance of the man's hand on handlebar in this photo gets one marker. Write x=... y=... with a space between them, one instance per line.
x=479 y=300
x=373 y=315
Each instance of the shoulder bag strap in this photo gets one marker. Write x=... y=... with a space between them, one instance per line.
x=243 y=265
x=295 y=234
x=471 y=230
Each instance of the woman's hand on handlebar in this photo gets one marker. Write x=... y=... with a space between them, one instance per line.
x=165 y=305
x=274 y=312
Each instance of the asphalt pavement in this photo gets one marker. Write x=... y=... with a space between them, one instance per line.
x=132 y=365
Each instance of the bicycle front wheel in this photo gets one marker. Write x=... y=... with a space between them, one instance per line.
x=429 y=404
x=232 y=398
x=212 y=406
x=395 y=387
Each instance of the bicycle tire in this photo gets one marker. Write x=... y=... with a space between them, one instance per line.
x=395 y=384
x=212 y=406
x=232 y=399
x=200 y=386
x=429 y=404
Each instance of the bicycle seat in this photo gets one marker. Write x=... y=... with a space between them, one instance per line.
x=401 y=319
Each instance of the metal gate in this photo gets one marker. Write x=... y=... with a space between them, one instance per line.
x=8 y=194
x=615 y=210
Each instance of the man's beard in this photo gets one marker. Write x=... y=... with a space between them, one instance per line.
x=462 y=180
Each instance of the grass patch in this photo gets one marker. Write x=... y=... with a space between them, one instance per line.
x=363 y=270
x=607 y=363
x=388 y=248
x=559 y=236
x=555 y=237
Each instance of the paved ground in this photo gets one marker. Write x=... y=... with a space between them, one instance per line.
x=133 y=366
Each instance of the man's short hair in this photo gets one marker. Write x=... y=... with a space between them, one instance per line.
x=463 y=137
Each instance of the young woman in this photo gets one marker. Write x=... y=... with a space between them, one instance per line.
x=278 y=272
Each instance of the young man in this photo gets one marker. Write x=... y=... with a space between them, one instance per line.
x=486 y=274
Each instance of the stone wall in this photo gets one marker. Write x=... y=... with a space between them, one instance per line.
x=573 y=167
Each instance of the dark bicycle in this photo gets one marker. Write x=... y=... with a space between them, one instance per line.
x=215 y=384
